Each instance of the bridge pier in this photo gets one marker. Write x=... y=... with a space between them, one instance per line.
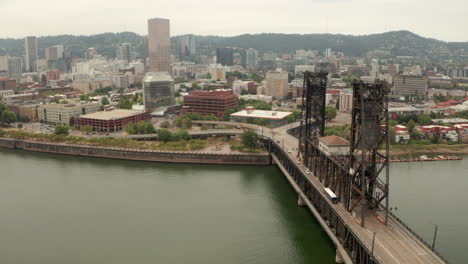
x=338 y=258
x=300 y=201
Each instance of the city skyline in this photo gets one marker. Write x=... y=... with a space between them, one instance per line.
x=346 y=18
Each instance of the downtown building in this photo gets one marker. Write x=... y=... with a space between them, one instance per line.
x=60 y=114
x=159 y=45
x=111 y=121
x=410 y=86
x=251 y=58
x=225 y=56
x=158 y=90
x=214 y=102
x=188 y=48
x=30 y=46
x=277 y=84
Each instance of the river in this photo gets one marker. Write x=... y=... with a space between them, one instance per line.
x=434 y=193
x=63 y=209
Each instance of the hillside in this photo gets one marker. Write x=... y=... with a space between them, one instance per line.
x=398 y=43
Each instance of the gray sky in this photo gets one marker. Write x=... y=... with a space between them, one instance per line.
x=445 y=20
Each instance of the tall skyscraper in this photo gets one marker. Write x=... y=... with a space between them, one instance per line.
x=225 y=56
x=187 y=48
x=251 y=58
x=30 y=46
x=124 y=52
x=159 y=45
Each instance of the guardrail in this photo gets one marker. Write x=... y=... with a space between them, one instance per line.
x=417 y=236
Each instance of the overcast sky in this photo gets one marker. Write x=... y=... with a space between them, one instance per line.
x=445 y=20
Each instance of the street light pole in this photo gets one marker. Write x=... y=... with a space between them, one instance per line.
x=373 y=241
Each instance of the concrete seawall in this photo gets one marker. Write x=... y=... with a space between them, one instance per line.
x=135 y=154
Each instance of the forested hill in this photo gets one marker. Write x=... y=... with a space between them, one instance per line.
x=398 y=43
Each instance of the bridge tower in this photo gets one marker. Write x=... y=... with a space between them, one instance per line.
x=368 y=185
x=313 y=114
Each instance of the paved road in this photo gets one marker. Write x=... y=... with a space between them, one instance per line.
x=394 y=243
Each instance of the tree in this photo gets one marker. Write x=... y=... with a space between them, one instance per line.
x=184 y=135
x=72 y=121
x=435 y=140
x=125 y=103
x=61 y=130
x=7 y=117
x=131 y=129
x=164 y=135
x=330 y=112
x=244 y=92
x=186 y=123
x=249 y=139
x=411 y=124
x=424 y=119
x=86 y=129
x=105 y=101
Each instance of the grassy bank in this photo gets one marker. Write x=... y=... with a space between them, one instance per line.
x=426 y=149
x=182 y=145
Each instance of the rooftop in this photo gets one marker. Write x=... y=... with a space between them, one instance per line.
x=158 y=76
x=334 y=141
x=112 y=115
x=262 y=114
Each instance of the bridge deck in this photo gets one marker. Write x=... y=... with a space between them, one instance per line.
x=394 y=243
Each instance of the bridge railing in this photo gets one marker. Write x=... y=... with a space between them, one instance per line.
x=348 y=239
x=294 y=132
x=417 y=236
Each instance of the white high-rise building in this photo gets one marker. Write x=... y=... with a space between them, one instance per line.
x=251 y=57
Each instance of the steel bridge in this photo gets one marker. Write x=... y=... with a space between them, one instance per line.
x=360 y=224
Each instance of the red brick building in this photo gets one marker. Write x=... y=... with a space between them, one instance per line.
x=214 y=102
x=7 y=83
x=111 y=121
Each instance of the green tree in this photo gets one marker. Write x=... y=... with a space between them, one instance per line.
x=7 y=117
x=330 y=112
x=125 y=103
x=249 y=139
x=424 y=119
x=244 y=92
x=186 y=123
x=164 y=135
x=71 y=122
x=105 y=101
x=131 y=129
x=86 y=129
x=411 y=124
x=183 y=135
x=435 y=140
x=62 y=130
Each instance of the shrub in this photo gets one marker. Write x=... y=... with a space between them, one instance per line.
x=62 y=130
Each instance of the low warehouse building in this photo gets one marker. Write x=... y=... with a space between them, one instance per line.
x=111 y=121
x=264 y=117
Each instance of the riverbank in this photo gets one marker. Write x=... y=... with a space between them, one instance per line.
x=190 y=151
x=404 y=150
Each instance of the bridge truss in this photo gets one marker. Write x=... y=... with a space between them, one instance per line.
x=369 y=151
x=360 y=179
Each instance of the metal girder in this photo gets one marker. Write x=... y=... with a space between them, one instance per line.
x=369 y=152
